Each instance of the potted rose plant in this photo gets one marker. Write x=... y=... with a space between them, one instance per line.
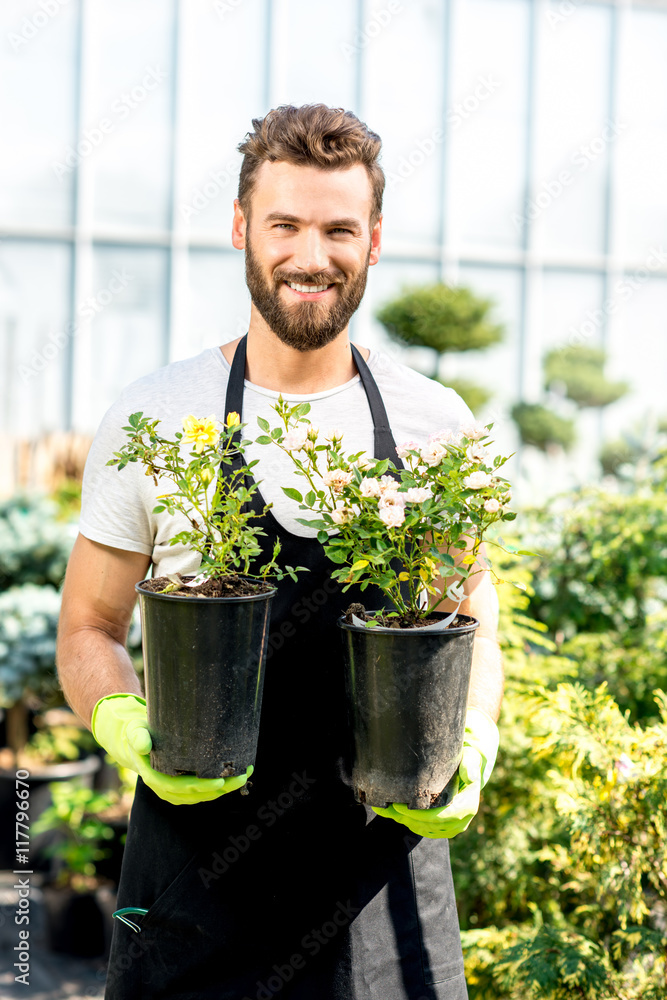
x=204 y=636
x=414 y=534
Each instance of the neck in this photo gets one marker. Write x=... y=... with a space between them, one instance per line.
x=276 y=366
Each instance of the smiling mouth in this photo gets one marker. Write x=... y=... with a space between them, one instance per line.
x=307 y=289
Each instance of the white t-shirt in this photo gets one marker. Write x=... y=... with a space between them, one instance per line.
x=116 y=506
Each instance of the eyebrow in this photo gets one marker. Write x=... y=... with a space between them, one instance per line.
x=348 y=223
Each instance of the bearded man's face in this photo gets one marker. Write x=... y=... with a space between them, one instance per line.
x=308 y=248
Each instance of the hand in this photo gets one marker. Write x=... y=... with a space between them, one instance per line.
x=120 y=725
x=480 y=747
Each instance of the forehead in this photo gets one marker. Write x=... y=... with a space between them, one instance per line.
x=310 y=192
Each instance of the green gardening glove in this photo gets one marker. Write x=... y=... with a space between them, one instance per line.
x=120 y=725
x=480 y=747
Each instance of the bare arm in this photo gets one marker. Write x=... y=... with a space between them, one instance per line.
x=487 y=678
x=98 y=598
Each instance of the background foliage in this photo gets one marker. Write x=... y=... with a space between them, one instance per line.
x=562 y=878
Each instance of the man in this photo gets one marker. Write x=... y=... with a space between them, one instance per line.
x=295 y=889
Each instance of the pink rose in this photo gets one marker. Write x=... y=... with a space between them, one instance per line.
x=370 y=487
x=295 y=439
x=405 y=447
x=393 y=499
x=477 y=480
x=388 y=485
x=342 y=515
x=337 y=479
x=433 y=453
x=392 y=515
x=418 y=494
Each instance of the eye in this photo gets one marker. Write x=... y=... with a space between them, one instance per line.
x=284 y=225
x=339 y=229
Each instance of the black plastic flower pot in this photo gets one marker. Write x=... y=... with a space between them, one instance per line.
x=204 y=660
x=407 y=693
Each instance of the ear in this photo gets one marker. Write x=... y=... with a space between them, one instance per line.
x=239 y=226
x=376 y=241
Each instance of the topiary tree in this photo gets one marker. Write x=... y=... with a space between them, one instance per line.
x=445 y=319
x=542 y=428
x=571 y=372
x=580 y=371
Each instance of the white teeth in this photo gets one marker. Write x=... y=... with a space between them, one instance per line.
x=307 y=288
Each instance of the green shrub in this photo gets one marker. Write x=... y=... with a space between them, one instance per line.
x=581 y=371
x=34 y=544
x=472 y=395
x=441 y=317
x=543 y=428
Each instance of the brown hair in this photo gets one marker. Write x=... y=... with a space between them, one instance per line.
x=313 y=135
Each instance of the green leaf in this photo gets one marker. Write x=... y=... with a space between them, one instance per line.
x=264 y=424
x=263 y=439
x=292 y=493
x=310 y=498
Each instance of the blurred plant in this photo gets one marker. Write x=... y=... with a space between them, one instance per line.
x=67 y=497
x=75 y=816
x=28 y=626
x=565 y=867
x=631 y=457
x=34 y=544
x=579 y=371
x=59 y=739
x=542 y=428
x=603 y=557
x=445 y=319
x=575 y=374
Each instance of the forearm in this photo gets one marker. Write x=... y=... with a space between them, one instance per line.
x=92 y=664
x=487 y=677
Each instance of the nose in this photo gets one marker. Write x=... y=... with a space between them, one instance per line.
x=310 y=253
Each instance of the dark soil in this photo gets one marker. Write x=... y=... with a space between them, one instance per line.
x=406 y=622
x=223 y=586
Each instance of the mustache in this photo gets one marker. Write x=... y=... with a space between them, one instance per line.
x=320 y=278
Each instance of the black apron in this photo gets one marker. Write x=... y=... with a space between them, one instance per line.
x=295 y=890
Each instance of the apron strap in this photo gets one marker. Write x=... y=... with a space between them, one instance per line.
x=234 y=400
x=384 y=444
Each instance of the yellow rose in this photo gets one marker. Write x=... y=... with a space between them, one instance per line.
x=203 y=433
x=233 y=419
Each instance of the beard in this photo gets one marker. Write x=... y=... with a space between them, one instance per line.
x=305 y=326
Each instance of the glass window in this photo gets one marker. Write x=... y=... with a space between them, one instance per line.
x=402 y=102
x=127 y=331
x=572 y=310
x=221 y=92
x=642 y=156
x=130 y=112
x=638 y=354
x=486 y=121
x=219 y=301
x=496 y=368
x=573 y=131
x=35 y=336
x=38 y=113
x=314 y=53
